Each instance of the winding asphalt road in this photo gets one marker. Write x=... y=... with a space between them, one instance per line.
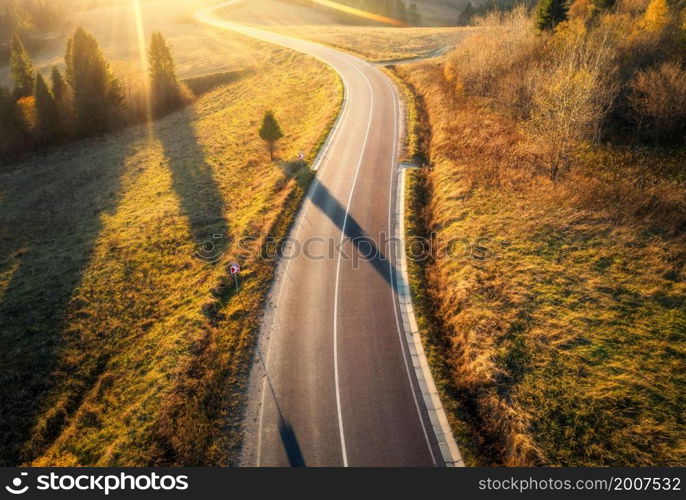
x=338 y=388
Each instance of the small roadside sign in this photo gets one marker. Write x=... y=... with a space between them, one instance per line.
x=234 y=269
x=301 y=157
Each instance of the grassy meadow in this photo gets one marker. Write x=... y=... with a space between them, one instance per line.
x=198 y=49
x=126 y=343
x=375 y=43
x=554 y=311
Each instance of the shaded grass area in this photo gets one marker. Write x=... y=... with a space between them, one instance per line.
x=557 y=324
x=127 y=343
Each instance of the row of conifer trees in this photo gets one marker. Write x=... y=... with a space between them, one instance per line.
x=84 y=99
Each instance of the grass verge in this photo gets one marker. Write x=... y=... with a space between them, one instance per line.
x=555 y=332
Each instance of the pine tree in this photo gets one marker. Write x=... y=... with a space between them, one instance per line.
x=21 y=69
x=97 y=94
x=466 y=15
x=59 y=86
x=401 y=12
x=163 y=83
x=551 y=13
x=413 y=15
x=47 y=116
x=603 y=4
x=270 y=132
x=10 y=131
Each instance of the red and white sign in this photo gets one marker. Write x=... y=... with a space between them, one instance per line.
x=234 y=268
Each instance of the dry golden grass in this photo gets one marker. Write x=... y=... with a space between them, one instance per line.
x=372 y=42
x=383 y=44
x=559 y=327
x=122 y=347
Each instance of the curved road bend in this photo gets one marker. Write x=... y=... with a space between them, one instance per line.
x=337 y=390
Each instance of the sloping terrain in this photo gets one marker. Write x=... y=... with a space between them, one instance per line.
x=126 y=341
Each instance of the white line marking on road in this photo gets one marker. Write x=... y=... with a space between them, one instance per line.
x=391 y=267
x=331 y=140
x=338 y=272
x=206 y=16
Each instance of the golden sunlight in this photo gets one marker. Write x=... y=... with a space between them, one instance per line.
x=140 y=34
x=359 y=12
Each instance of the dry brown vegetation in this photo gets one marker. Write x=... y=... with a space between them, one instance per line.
x=559 y=334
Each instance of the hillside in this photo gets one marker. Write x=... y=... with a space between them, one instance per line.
x=127 y=343
x=198 y=48
x=554 y=302
x=375 y=43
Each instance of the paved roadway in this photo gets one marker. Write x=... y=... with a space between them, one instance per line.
x=338 y=391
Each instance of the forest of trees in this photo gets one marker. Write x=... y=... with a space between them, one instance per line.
x=401 y=10
x=86 y=99
x=395 y=9
x=475 y=9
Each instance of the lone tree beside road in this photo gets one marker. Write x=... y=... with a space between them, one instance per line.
x=270 y=132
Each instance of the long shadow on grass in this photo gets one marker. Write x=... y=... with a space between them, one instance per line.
x=193 y=181
x=51 y=209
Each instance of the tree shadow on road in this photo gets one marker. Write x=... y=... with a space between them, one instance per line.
x=367 y=248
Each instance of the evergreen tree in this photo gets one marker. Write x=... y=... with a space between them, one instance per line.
x=466 y=15
x=164 y=85
x=10 y=131
x=551 y=13
x=401 y=12
x=270 y=132
x=603 y=4
x=47 y=116
x=97 y=94
x=59 y=86
x=21 y=69
x=413 y=15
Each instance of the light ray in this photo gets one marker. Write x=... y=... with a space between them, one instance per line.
x=140 y=33
x=359 y=12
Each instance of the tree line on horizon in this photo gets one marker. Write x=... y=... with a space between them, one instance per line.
x=400 y=10
x=396 y=9
x=85 y=99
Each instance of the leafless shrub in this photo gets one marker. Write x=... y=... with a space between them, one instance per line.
x=658 y=101
x=502 y=41
x=574 y=89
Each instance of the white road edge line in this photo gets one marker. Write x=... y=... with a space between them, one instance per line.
x=434 y=407
x=205 y=15
x=391 y=269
